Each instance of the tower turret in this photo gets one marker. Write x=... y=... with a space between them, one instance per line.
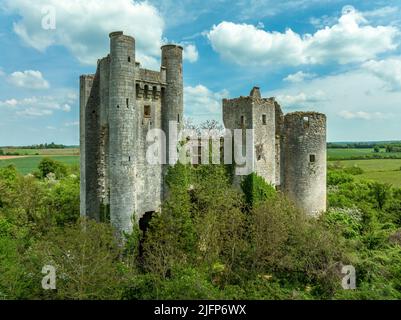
x=122 y=130
x=305 y=160
x=173 y=104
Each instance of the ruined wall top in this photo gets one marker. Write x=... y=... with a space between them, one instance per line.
x=255 y=93
x=172 y=45
x=152 y=76
x=254 y=96
x=120 y=34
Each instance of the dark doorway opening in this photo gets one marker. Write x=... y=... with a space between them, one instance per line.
x=144 y=223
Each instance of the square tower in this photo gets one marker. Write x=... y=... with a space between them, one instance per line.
x=257 y=116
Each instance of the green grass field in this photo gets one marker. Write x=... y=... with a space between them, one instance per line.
x=381 y=170
x=27 y=165
x=343 y=154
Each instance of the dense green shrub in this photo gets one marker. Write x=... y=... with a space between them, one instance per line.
x=355 y=170
x=256 y=189
x=47 y=166
x=338 y=177
x=209 y=241
x=86 y=256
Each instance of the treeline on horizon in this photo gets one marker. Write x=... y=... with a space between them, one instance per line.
x=41 y=146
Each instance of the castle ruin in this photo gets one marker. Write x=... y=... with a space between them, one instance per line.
x=288 y=151
x=121 y=102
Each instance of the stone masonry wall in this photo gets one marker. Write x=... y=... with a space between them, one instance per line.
x=305 y=160
x=85 y=88
x=122 y=140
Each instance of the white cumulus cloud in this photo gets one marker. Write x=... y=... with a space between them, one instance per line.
x=301 y=99
x=191 y=53
x=389 y=70
x=353 y=96
x=83 y=26
x=361 y=115
x=30 y=79
x=9 y=103
x=299 y=76
x=34 y=112
x=41 y=105
x=72 y=124
x=200 y=102
x=349 y=40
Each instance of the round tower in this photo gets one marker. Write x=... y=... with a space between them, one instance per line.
x=122 y=130
x=304 y=157
x=173 y=104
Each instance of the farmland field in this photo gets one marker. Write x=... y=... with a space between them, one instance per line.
x=58 y=152
x=381 y=170
x=344 y=154
x=28 y=164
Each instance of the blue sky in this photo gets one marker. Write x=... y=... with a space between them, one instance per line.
x=339 y=57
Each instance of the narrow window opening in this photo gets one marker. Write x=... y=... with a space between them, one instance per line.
x=264 y=119
x=312 y=158
x=199 y=154
x=163 y=90
x=259 y=151
x=154 y=92
x=146 y=91
x=242 y=120
x=127 y=101
x=306 y=122
x=146 y=112
x=178 y=118
x=129 y=59
x=137 y=90
x=118 y=106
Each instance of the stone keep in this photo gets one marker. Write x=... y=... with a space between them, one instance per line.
x=289 y=151
x=119 y=104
